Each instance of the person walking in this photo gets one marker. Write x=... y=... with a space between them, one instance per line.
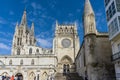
x=12 y=78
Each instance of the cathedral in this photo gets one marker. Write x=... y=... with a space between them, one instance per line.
x=30 y=62
x=63 y=62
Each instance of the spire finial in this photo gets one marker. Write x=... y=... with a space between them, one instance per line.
x=88 y=8
x=25 y=9
x=24 y=18
x=17 y=23
x=56 y=24
x=75 y=23
x=32 y=27
x=16 y=26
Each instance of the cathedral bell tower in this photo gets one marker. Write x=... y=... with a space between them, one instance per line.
x=65 y=46
x=23 y=36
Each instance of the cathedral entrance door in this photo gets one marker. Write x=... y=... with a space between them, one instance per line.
x=66 y=69
x=19 y=76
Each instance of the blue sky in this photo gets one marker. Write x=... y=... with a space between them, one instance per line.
x=44 y=13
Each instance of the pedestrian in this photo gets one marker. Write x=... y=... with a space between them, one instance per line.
x=18 y=78
x=12 y=78
x=86 y=78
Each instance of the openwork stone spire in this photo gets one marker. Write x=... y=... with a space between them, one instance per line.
x=24 y=18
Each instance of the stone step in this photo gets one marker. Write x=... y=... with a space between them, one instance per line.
x=70 y=76
x=73 y=76
x=59 y=76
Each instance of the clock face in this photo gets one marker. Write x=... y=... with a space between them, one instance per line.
x=66 y=43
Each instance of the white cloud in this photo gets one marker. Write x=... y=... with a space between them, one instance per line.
x=78 y=10
x=70 y=14
x=24 y=1
x=4 y=46
x=100 y=19
x=11 y=13
x=46 y=43
x=52 y=3
x=35 y=5
x=8 y=34
x=2 y=21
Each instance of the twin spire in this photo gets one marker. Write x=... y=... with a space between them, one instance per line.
x=87 y=10
x=24 y=21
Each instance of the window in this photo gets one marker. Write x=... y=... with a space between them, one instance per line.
x=10 y=62
x=18 y=51
x=18 y=32
x=30 y=42
x=91 y=28
x=111 y=11
x=20 y=41
x=30 y=51
x=66 y=69
x=32 y=62
x=17 y=41
x=118 y=5
x=26 y=40
x=21 y=62
x=21 y=32
x=119 y=47
x=113 y=27
x=107 y=2
x=119 y=20
x=37 y=50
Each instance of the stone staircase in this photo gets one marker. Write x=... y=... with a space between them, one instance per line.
x=70 y=76
x=60 y=76
x=73 y=76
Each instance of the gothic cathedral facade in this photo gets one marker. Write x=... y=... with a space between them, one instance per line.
x=30 y=62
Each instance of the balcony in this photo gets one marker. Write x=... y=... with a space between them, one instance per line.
x=116 y=56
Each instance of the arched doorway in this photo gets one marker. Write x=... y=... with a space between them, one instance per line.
x=66 y=61
x=19 y=76
x=66 y=69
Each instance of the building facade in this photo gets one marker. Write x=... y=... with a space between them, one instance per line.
x=30 y=62
x=112 y=8
x=94 y=57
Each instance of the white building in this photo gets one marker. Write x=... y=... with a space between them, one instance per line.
x=112 y=8
x=30 y=62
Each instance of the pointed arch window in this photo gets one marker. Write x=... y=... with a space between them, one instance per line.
x=30 y=42
x=32 y=62
x=10 y=62
x=66 y=69
x=18 y=32
x=30 y=51
x=17 y=41
x=37 y=50
x=21 y=62
x=18 y=51
x=91 y=27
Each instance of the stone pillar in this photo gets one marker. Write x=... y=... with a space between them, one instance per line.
x=25 y=76
x=11 y=71
x=38 y=75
